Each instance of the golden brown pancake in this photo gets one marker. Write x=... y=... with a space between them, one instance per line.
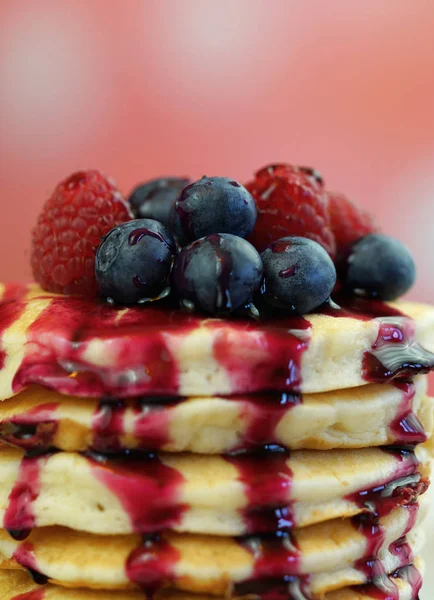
x=83 y=348
x=335 y=553
x=371 y=415
x=205 y=494
x=405 y=582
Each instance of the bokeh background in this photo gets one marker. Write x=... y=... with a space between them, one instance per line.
x=142 y=88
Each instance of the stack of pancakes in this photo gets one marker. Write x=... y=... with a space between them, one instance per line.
x=147 y=451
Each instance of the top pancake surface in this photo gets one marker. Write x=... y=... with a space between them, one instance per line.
x=84 y=348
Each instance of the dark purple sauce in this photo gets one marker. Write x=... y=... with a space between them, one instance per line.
x=152 y=564
x=25 y=557
x=33 y=430
x=263 y=414
x=406 y=427
x=148 y=490
x=19 y=518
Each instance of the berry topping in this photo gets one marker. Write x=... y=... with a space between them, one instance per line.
x=152 y=200
x=289 y=202
x=348 y=222
x=212 y=205
x=314 y=173
x=298 y=274
x=218 y=273
x=134 y=261
x=379 y=267
x=82 y=209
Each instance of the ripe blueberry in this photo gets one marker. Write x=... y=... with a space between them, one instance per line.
x=298 y=274
x=379 y=267
x=212 y=205
x=217 y=273
x=134 y=261
x=153 y=199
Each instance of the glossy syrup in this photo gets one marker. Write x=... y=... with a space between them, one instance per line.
x=19 y=518
x=33 y=430
x=283 y=343
x=267 y=481
x=402 y=490
x=406 y=427
x=25 y=556
x=148 y=489
x=395 y=353
x=263 y=413
x=275 y=556
x=152 y=420
x=108 y=426
x=143 y=359
x=385 y=588
x=139 y=342
x=152 y=564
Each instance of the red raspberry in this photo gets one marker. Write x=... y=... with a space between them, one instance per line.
x=349 y=223
x=82 y=209
x=290 y=201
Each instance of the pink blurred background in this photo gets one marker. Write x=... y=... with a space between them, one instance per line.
x=147 y=88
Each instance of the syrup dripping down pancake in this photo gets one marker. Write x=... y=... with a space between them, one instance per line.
x=83 y=348
x=334 y=554
x=371 y=415
x=219 y=495
x=18 y=585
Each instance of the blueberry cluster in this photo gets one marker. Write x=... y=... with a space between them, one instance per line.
x=189 y=240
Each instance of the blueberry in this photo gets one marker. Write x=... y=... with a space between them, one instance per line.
x=153 y=199
x=298 y=274
x=212 y=205
x=379 y=267
x=134 y=261
x=218 y=273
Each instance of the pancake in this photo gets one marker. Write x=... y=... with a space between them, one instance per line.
x=404 y=584
x=233 y=495
x=371 y=415
x=334 y=554
x=18 y=585
x=82 y=348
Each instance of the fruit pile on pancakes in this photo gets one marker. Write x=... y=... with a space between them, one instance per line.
x=213 y=391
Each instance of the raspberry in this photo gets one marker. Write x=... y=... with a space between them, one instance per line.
x=348 y=222
x=82 y=209
x=290 y=202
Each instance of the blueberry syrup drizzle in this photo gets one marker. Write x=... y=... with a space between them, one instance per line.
x=19 y=518
x=143 y=363
x=152 y=421
x=152 y=564
x=275 y=556
x=141 y=346
x=148 y=489
x=284 y=342
x=263 y=413
x=267 y=481
x=34 y=430
x=406 y=427
x=25 y=557
x=384 y=586
x=108 y=426
x=395 y=353
x=403 y=489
